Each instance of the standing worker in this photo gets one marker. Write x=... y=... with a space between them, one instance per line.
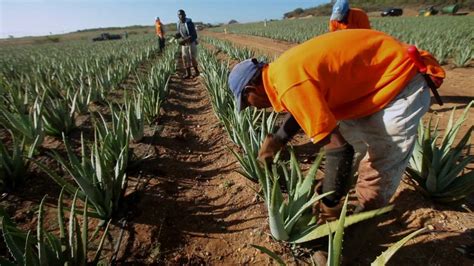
x=187 y=32
x=160 y=33
x=343 y=17
x=355 y=92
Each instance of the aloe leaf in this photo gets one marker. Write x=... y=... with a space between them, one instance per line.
x=40 y=234
x=324 y=230
x=338 y=237
x=270 y=253
x=101 y=245
x=386 y=255
x=14 y=238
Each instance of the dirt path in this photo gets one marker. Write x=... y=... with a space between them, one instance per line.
x=194 y=208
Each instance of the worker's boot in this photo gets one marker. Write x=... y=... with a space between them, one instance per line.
x=196 y=71
x=188 y=74
x=323 y=212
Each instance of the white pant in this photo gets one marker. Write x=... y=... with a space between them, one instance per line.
x=189 y=54
x=384 y=141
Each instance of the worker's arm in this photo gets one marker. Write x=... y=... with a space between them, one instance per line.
x=275 y=142
x=309 y=111
x=288 y=129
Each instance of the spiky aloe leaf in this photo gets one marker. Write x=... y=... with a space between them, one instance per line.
x=319 y=231
x=336 y=248
x=41 y=235
x=386 y=255
x=277 y=225
x=101 y=245
x=270 y=253
x=14 y=238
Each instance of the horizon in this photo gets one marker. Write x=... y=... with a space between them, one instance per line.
x=52 y=17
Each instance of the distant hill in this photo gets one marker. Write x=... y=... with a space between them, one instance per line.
x=377 y=5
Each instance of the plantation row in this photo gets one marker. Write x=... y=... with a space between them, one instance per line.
x=436 y=167
x=44 y=90
x=445 y=37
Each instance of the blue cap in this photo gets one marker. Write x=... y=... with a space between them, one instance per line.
x=240 y=76
x=339 y=10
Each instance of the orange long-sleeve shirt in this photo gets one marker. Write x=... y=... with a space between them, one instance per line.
x=357 y=19
x=160 y=32
x=338 y=76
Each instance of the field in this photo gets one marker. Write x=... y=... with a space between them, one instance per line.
x=163 y=169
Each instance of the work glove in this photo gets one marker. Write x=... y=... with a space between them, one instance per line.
x=177 y=35
x=338 y=170
x=271 y=145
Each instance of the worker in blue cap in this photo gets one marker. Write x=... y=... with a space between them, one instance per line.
x=355 y=92
x=343 y=17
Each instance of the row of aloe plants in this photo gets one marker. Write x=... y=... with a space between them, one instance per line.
x=447 y=37
x=99 y=173
x=28 y=123
x=44 y=248
x=247 y=129
x=96 y=69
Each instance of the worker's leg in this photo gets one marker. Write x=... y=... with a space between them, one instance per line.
x=194 y=55
x=390 y=135
x=186 y=56
x=162 y=44
x=353 y=135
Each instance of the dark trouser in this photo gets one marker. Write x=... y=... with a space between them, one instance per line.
x=161 y=43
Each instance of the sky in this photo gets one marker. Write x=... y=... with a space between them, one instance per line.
x=43 y=17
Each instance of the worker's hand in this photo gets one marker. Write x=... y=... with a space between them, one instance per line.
x=177 y=35
x=271 y=145
x=182 y=42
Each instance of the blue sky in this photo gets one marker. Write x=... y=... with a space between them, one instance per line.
x=40 y=17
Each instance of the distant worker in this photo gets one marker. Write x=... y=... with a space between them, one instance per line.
x=343 y=17
x=355 y=92
x=187 y=33
x=160 y=33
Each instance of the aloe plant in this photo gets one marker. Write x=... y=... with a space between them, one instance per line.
x=58 y=116
x=113 y=141
x=154 y=89
x=464 y=55
x=335 y=244
x=28 y=126
x=250 y=133
x=44 y=248
x=80 y=99
x=134 y=116
x=99 y=182
x=291 y=220
x=437 y=167
x=14 y=164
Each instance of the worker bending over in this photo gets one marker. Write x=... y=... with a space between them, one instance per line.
x=343 y=17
